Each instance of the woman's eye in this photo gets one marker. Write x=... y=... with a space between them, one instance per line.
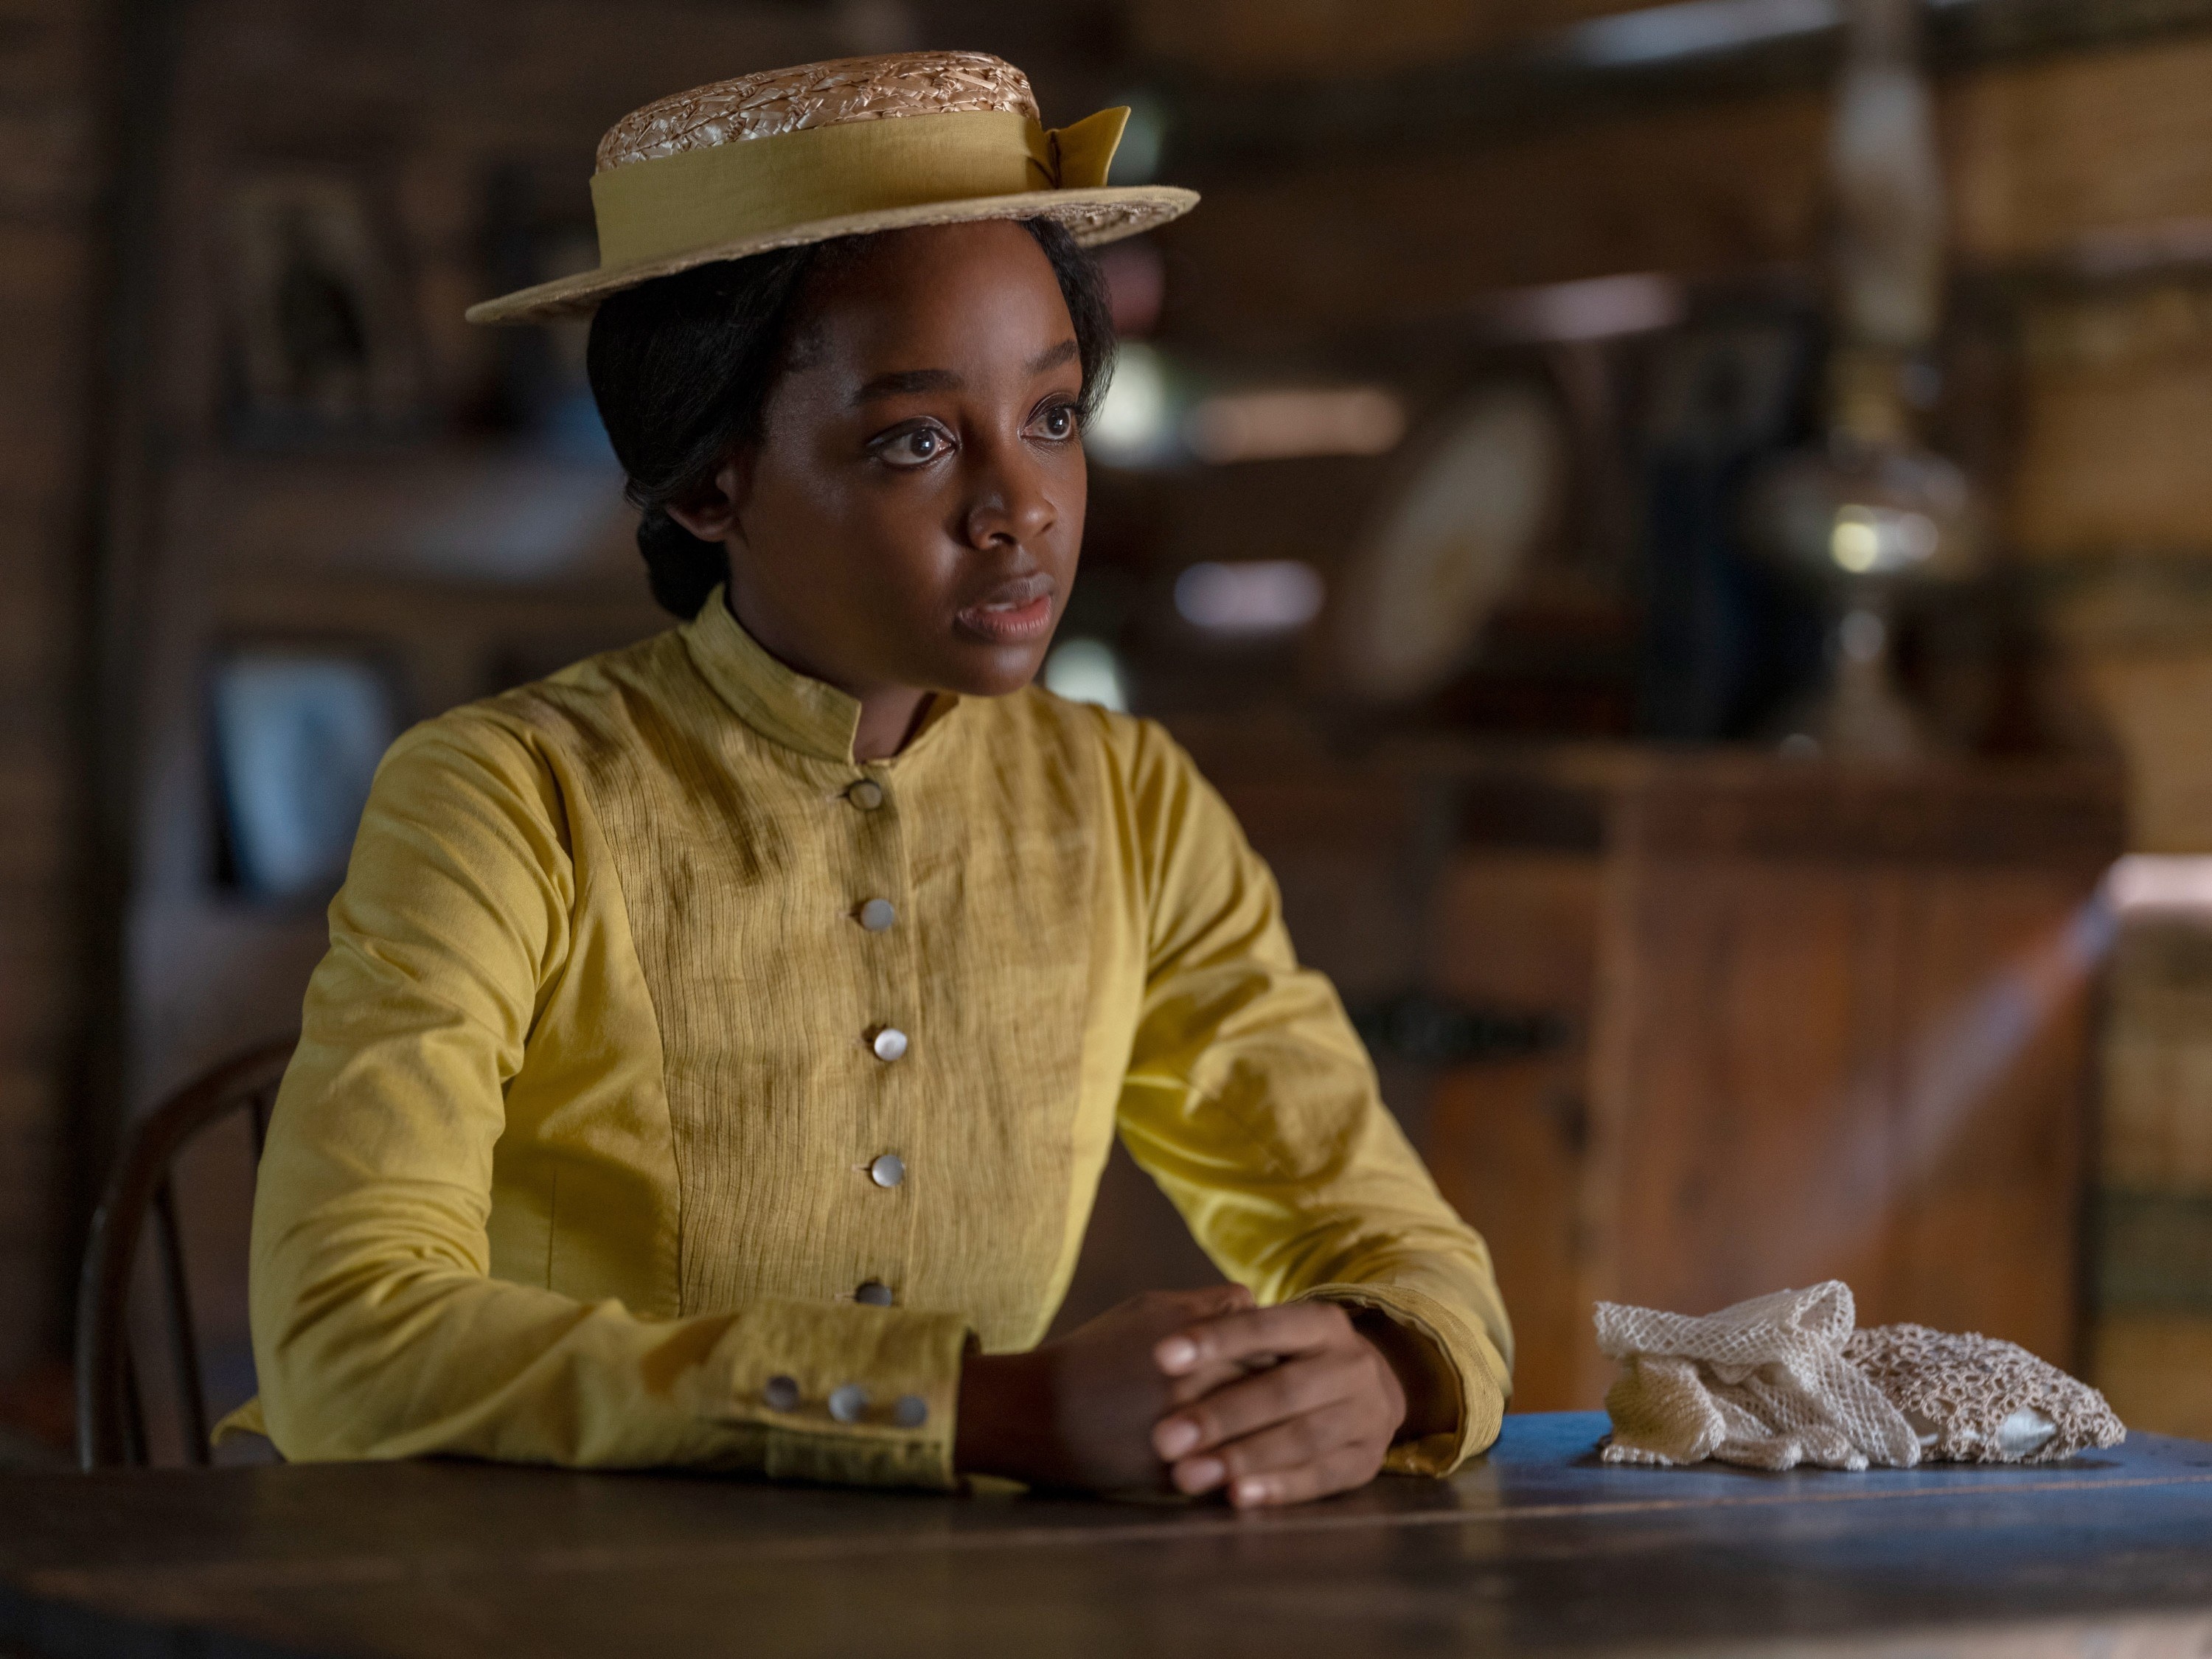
x=1057 y=422
x=916 y=448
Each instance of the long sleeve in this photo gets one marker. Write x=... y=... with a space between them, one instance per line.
x=1251 y=1102
x=378 y=1330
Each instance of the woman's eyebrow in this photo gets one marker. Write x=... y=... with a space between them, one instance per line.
x=905 y=382
x=1064 y=352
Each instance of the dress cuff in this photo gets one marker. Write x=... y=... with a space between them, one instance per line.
x=1476 y=1373
x=246 y=1419
x=849 y=1394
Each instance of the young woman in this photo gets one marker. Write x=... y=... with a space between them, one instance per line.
x=720 y=1042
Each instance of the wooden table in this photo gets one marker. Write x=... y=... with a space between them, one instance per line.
x=1538 y=1548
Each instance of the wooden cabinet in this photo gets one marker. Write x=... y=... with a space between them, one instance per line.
x=1806 y=1020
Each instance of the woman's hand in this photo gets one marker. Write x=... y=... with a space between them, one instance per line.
x=1081 y=1411
x=1318 y=1409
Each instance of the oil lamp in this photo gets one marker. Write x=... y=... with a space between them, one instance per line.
x=1870 y=513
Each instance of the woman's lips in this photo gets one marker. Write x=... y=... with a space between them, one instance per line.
x=1020 y=611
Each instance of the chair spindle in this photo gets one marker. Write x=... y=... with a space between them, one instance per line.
x=111 y=1405
x=184 y=1347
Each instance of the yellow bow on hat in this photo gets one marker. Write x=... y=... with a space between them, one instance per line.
x=649 y=210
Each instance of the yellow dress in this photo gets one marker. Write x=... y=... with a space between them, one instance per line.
x=635 y=979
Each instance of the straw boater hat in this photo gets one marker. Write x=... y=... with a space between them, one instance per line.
x=798 y=155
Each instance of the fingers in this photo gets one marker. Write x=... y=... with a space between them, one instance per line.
x=1332 y=1450
x=1259 y=1336
x=1317 y=1420
x=1167 y=1311
x=1288 y=1391
x=1214 y=1301
x=1345 y=1470
x=1186 y=1309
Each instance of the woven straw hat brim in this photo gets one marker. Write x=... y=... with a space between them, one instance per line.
x=1104 y=214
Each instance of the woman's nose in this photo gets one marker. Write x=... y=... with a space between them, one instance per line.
x=1010 y=499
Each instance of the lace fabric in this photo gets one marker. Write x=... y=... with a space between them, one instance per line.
x=1975 y=1400
x=1785 y=1379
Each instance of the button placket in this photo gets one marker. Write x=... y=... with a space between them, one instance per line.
x=881 y=910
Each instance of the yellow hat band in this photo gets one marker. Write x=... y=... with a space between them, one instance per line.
x=673 y=204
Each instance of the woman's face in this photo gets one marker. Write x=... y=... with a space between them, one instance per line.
x=912 y=515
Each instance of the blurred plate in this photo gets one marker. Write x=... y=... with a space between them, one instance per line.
x=1447 y=541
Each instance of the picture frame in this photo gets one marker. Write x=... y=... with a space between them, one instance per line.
x=323 y=339
x=297 y=731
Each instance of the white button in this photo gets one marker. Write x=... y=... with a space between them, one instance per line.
x=873 y=1293
x=849 y=1403
x=878 y=915
x=867 y=794
x=889 y=1043
x=781 y=1394
x=911 y=1412
x=888 y=1171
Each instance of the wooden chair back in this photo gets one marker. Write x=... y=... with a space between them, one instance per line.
x=111 y=1407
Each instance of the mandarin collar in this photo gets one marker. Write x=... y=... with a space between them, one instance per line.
x=783 y=705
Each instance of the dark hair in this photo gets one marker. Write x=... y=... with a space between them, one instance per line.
x=681 y=368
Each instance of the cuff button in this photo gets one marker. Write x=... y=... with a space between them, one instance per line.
x=911 y=1412
x=849 y=1403
x=781 y=1394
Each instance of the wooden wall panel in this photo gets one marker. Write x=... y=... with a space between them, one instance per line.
x=2158 y=705
x=1314 y=37
x=1506 y=1143
x=2116 y=460
x=32 y=1206
x=1742 y=1115
x=1994 y=1028
x=1826 y=1023
x=1700 y=191
x=2153 y=1368
x=2042 y=157
x=1544 y=906
x=46 y=273
x=1516 y=930
x=51 y=114
x=2151 y=1341
x=1868 y=1073
x=2157 y=1130
x=2043 y=154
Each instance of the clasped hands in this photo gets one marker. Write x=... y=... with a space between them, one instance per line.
x=1199 y=1391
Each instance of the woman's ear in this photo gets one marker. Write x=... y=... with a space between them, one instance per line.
x=713 y=513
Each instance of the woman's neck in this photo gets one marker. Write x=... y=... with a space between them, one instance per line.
x=889 y=720
x=889 y=714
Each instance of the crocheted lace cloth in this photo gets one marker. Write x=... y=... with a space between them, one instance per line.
x=774 y=101
x=1975 y=1399
x=1783 y=1380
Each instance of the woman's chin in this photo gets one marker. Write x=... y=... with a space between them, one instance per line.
x=993 y=670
